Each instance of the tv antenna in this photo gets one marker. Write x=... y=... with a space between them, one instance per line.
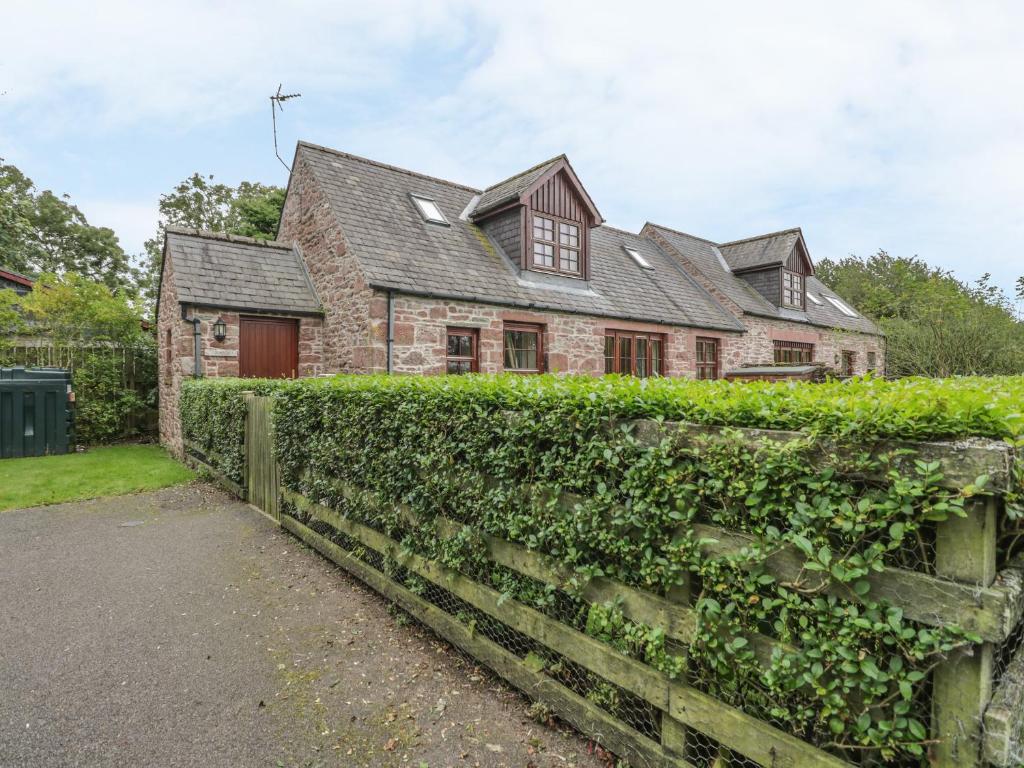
x=277 y=103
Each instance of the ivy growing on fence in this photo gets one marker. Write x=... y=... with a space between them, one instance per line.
x=549 y=463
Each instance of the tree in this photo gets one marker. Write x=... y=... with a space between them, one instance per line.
x=935 y=325
x=250 y=209
x=43 y=232
x=71 y=309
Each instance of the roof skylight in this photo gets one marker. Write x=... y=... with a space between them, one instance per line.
x=635 y=255
x=841 y=306
x=814 y=298
x=429 y=210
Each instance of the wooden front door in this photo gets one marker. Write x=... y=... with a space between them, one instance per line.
x=268 y=348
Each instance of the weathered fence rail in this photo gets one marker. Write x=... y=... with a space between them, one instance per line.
x=976 y=720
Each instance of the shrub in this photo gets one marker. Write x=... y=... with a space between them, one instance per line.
x=500 y=454
x=213 y=417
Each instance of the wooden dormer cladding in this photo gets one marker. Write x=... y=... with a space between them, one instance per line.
x=558 y=216
x=554 y=215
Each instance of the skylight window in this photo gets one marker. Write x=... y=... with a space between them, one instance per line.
x=429 y=210
x=635 y=255
x=814 y=298
x=841 y=306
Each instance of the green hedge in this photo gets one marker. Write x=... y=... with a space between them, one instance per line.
x=854 y=676
x=213 y=417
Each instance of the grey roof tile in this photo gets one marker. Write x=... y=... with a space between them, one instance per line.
x=238 y=272
x=709 y=258
x=397 y=249
x=761 y=251
x=512 y=187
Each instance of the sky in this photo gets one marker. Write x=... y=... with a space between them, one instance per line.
x=871 y=125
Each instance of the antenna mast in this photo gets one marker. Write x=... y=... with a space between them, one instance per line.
x=276 y=103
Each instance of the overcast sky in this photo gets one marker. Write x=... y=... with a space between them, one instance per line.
x=871 y=125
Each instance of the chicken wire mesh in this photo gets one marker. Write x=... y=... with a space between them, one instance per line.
x=644 y=719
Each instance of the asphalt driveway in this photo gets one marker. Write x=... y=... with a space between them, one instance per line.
x=182 y=628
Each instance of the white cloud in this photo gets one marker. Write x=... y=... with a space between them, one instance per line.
x=874 y=125
x=133 y=222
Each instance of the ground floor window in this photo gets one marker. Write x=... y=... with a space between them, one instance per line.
x=524 y=348
x=793 y=352
x=636 y=354
x=849 y=359
x=462 y=350
x=707 y=358
x=872 y=361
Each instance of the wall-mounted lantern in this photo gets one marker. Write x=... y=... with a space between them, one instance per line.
x=220 y=330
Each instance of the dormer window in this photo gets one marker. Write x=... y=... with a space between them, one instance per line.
x=557 y=254
x=792 y=289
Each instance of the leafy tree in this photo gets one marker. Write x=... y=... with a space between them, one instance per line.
x=43 y=232
x=935 y=324
x=71 y=309
x=250 y=209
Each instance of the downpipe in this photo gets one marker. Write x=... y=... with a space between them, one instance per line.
x=390 y=329
x=196 y=342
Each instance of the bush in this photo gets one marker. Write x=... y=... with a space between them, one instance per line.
x=500 y=454
x=213 y=417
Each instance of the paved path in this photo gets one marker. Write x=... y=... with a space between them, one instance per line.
x=181 y=628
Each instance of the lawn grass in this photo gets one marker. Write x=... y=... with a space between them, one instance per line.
x=107 y=471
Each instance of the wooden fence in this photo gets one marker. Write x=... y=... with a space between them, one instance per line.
x=976 y=721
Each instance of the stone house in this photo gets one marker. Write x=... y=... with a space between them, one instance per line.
x=381 y=269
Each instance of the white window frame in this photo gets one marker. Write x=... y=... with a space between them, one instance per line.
x=841 y=306
x=635 y=255
x=422 y=202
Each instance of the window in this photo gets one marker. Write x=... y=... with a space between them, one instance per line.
x=429 y=210
x=841 y=306
x=557 y=252
x=793 y=352
x=814 y=298
x=462 y=351
x=872 y=361
x=524 y=348
x=792 y=289
x=848 y=362
x=635 y=255
x=636 y=354
x=707 y=358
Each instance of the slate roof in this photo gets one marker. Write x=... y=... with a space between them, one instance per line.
x=511 y=188
x=218 y=270
x=762 y=251
x=396 y=249
x=710 y=259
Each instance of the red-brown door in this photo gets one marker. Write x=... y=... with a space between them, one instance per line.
x=268 y=348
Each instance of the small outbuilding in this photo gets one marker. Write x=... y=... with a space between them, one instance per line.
x=232 y=306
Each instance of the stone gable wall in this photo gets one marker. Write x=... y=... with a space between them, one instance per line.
x=307 y=220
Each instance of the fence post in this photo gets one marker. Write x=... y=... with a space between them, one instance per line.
x=673 y=733
x=965 y=550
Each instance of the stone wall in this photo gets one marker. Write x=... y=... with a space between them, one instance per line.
x=575 y=343
x=308 y=221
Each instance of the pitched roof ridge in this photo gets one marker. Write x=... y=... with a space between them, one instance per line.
x=388 y=166
x=531 y=169
x=680 y=232
x=763 y=237
x=620 y=229
x=207 y=234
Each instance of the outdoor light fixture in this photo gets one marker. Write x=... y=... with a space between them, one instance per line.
x=220 y=330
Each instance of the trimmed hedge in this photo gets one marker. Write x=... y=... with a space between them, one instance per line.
x=497 y=453
x=213 y=417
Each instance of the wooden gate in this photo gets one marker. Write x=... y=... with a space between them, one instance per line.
x=262 y=475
